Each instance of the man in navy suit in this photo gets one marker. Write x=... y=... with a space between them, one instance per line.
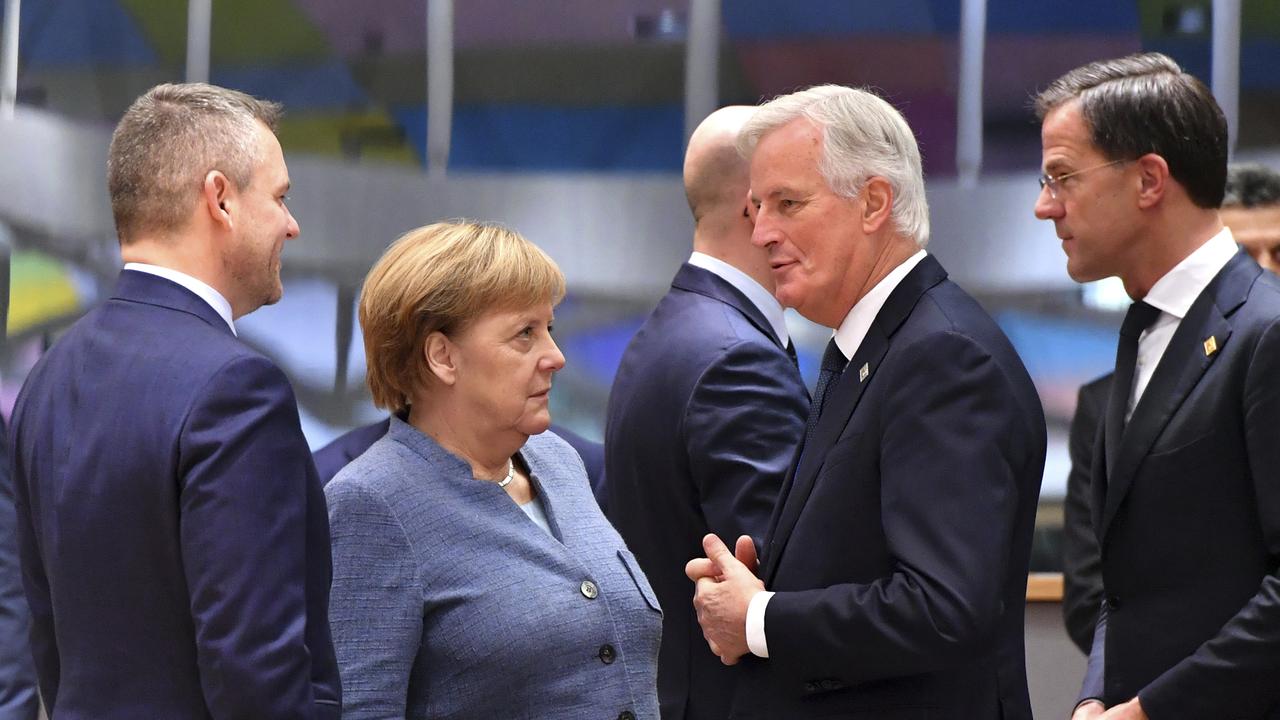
x=174 y=538
x=705 y=413
x=1185 y=501
x=894 y=576
x=1251 y=210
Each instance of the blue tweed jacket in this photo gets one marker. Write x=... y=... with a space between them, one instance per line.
x=449 y=602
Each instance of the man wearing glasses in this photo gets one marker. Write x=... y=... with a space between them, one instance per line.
x=1186 y=505
x=1251 y=210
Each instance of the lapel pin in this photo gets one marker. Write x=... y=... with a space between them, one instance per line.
x=1210 y=346
x=863 y=372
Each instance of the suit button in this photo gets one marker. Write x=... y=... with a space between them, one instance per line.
x=1113 y=603
x=626 y=715
x=607 y=654
x=589 y=590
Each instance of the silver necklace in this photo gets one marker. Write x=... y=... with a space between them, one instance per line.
x=511 y=473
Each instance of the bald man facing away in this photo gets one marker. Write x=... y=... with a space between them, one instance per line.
x=706 y=411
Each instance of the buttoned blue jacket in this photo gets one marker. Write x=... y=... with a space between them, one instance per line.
x=449 y=602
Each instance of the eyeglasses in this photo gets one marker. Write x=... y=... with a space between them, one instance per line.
x=1054 y=182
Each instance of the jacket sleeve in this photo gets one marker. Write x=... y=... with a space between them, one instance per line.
x=1233 y=673
x=741 y=428
x=376 y=604
x=17 y=671
x=244 y=470
x=953 y=461
x=1081 y=561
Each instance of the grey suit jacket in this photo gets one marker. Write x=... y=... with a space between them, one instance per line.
x=449 y=602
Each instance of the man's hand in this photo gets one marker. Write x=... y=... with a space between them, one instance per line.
x=725 y=586
x=1131 y=710
x=1088 y=710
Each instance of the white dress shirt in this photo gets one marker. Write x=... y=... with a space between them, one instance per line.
x=764 y=300
x=212 y=297
x=1173 y=295
x=849 y=336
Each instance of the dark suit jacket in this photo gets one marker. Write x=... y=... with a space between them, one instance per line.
x=347 y=447
x=18 y=699
x=1081 y=566
x=900 y=547
x=174 y=537
x=704 y=416
x=1188 y=517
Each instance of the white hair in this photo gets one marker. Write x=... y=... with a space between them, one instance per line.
x=862 y=136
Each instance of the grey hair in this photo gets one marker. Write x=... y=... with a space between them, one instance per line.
x=862 y=136
x=168 y=141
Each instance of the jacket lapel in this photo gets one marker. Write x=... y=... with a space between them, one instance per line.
x=694 y=279
x=842 y=402
x=141 y=287
x=1184 y=362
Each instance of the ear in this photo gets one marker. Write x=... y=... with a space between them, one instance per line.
x=1153 y=180
x=439 y=353
x=216 y=195
x=877 y=197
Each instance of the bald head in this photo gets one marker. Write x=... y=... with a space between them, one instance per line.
x=716 y=181
x=715 y=175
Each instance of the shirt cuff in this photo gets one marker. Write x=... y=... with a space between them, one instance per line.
x=756 y=640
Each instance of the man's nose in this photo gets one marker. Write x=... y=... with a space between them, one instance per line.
x=1047 y=207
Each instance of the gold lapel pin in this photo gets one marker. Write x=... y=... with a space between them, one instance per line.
x=1210 y=346
x=863 y=372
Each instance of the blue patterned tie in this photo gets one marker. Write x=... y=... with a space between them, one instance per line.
x=833 y=363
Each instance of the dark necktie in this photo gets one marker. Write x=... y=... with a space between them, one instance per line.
x=1138 y=318
x=833 y=363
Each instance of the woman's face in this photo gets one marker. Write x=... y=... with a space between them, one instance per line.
x=504 y=363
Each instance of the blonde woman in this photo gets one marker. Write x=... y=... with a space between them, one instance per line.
x=474 y=575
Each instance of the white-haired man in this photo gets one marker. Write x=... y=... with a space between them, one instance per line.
x=896 y=559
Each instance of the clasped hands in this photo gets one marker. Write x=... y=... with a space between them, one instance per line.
x=1094 y=710
x=725 y=583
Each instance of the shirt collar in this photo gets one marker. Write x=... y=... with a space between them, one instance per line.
x=202 y=290
x=764 y=300
x=854 y=328
x=1178 y=289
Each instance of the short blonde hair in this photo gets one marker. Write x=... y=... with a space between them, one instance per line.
x=442 y=277
x=166 y=143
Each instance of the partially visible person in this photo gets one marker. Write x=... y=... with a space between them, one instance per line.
x=1081 y=566
x=474 y=575
x=1185 y=504
x=1251 y=208
x=705 y=413
x=1251 y=211
x=893 y=581
x=18 y=697
x=347 y=447
x=172 y=528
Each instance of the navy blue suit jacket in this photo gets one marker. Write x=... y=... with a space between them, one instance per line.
x=18 y=700
x=900 y=546
x=347 y=447
x=1188 y=516
x=705 y=414
x=174 y=536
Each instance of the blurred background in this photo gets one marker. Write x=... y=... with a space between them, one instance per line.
x=566 y=119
